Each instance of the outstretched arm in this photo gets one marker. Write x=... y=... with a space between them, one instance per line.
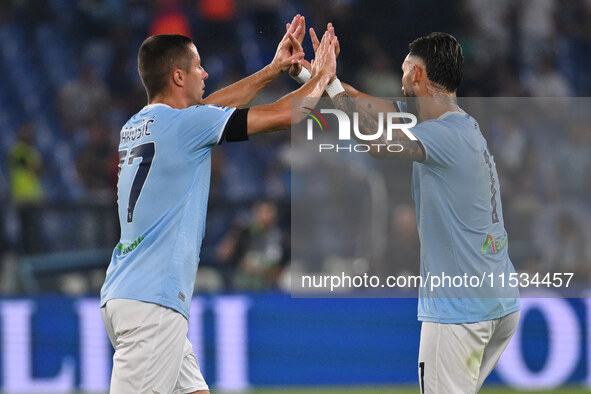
x=373 y=105
x=240 y=93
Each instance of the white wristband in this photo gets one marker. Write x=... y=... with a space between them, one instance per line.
x=303 y=77
x=334 y=88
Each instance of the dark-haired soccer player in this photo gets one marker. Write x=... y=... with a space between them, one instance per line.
x=164 y=175
x=459 y=217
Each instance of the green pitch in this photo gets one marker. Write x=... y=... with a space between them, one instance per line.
x=407 y=390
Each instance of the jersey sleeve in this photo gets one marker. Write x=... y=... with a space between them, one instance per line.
x=440 y=143
x=203 y=127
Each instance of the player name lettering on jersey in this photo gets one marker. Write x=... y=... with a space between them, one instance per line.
x=135 y=132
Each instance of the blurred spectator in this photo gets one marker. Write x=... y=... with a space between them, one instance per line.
x=98 y=13
x=25 y=166
x=217 y=10
x=169 y=18
x=83 y=100
x=508 y=147
x=379 y=77
x=4 y=201
x=562 y=233
x=491 y=35
x=507 y=83
x=546 y=81
x=97 y=162
x=218 y=18
x=277 y=180
x=218 y=163
x=8 y=262
x=573 y=160
x=574 y=43
x=255 y=248
x=536 y=30
x=403 y=255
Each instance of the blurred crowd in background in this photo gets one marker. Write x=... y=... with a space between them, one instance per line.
x=69 y=82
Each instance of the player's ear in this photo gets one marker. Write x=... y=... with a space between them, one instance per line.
x=178 y=77
x=418 y=73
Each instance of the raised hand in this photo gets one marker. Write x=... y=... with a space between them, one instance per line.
x=298 y=21
x=289 y=51
x=325 y=62
x=316 y=42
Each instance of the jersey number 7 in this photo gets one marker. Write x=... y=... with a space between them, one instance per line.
x=146 y=153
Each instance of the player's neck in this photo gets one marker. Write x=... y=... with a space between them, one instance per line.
x=434 y=107
x=173 y=101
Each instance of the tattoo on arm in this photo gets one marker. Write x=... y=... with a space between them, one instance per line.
x=411 y=150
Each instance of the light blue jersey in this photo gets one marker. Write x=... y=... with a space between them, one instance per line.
x=165 y=167
x=460 y=223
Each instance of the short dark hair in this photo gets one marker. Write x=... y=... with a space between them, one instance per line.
x=443 y=57
x=158 y=56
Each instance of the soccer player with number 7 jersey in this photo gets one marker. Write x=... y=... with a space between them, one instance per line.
x=163 y=188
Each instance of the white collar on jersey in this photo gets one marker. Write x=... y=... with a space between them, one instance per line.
x=150 y=106
x=445 y=115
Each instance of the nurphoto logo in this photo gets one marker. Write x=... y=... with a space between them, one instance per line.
x=379 y=138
